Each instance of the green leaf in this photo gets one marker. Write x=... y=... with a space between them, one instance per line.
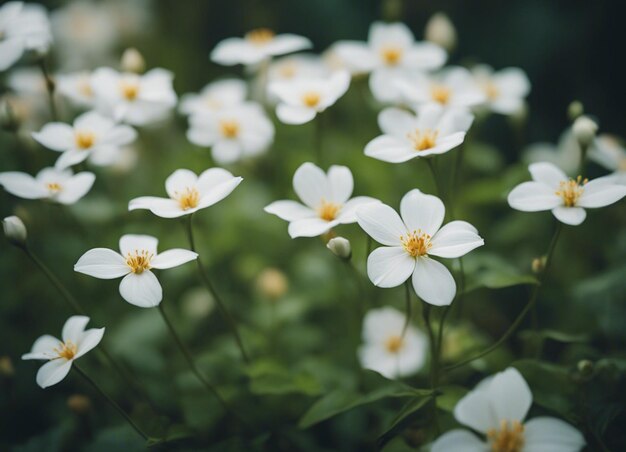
x=270 y=378
x=449 y=397
x=493 y=272
x=403 y=417
x=375 y=387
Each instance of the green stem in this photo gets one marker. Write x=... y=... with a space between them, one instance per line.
x=529 y=305
x=408 y=307
x=433 y=171
x=434 y=359
x=582 y=166
x=318 y=138
x=220 y=304
x=50 y=87
x=111 y=402
x=368 y=248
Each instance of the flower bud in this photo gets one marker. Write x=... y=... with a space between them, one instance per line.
x=585 y=367
x=538 y=264
x=340 y=247
x=584 y=129
x=441 y=31
x=132 y=61
x=272 y=283
x=14 y=230
x=575 y=109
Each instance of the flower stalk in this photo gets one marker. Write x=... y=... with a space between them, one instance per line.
x=50 y=88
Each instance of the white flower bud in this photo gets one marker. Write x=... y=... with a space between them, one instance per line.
x=132 y=61
x=441 y=31
x=14 y=230
x=585 y=129
x=340 y=247
x=575 y=109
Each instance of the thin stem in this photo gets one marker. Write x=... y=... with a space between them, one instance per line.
x=582 y=166
x=318 y=139
x=433 y=170
x=50 y=87
x=111 y=402
x=220 y=304
x=456 y=176
x=368 y=248
x=434 y=359
x=408 y=307
x=529 y=305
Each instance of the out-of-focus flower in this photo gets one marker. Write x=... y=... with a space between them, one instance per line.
x=214 y=97
x=92 y=135
x=233 y=133
x=326 y=198
x=575 y=109
x=57 y=185
x=340 y=247
x=567 y=198
x=272 y=283
x=497 y=408
x=453 y=86
x=300 y=100
x=565 y=155
x=387 y=348
x=28 y=98
x=440 y=30
x=607 y=151
x=132 y=61
x=584 y=129
x=77 y=88
x=23 y=27
x=188 y=192
x=391 y=50
x=257 y=46
x=410 y=241
x=434 y=130
x=138 y=255
x=60 y=354
x=505 y=90
x=14 y=230
x=132 y=98
x=297 y=66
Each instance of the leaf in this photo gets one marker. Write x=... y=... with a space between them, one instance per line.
x=491 y=271
x=375 y=387
x=270 y=378
x=403 y=417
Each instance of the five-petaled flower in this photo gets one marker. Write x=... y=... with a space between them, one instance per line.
x=57 y=185
x=410 y=241
x=504 y=90
x=137 y=256
x=326 y=198
x=496 y=408
x=188 y=192
x=567 y=198
x=60 y=354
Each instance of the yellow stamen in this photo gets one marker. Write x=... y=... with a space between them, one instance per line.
x=416 y=243
x=229 y=128
x=288 y=70
x=66 y=350
x=423 y=139
x=440 y=93
x=54 y=187
x=391 y=55
x=139 y=261
x=84 y=87
x=394 y=344
x=311 y=99
x=129 y=89
x=570 y=191
x=328 y=210
x=188 y=199
x=508 y=438
x=260 y=36
x=491 y=90
x=84 y=139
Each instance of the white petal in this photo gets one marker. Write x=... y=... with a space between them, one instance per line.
x=533 y=197
x=547 y=173
x=56 y=136
x=433 y=282
x=144 y=202
x=459 y=441
x=94 y=122
x=423 y=212
x=389 y=266
x=130 y=243
x=212 y=178
x=509 y=395
x=226 y=151
x=347 y=214
x=71 y=158
x=291 y=114
x=474 y=410
x=88 y=341
x=598 y=193
x=382 y=223
x=218 y=192
x=121 y=135
x=76 y=187
x=309 y=227
x=172 y=258
x=356 y=55
x=287 y=43
x=570 y=215
x=383 y=84
x=10 y=51
x=340 y=184
x=43 y=348
x=396 y=122
x=290 y=210
x=390 y=149
x=53 y=372
x=162 y=207
x=141 y=289
x=179 y=181
x=102 y=263
x=375 y=357
x=548 y=434
x=74 y=327
x=311 y=185
x=455 y=239
x=22 y=185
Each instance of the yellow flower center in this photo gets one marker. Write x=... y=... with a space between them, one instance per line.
x=311 y=99
x=84 y=88
x=139 y=261
x=66 y=350
x=328 y=210
x=260 y=36
x=508 y=438
x=394 y=344
x=416 y=243
x=423 y=139
x=391 y=55
x=288 y=70
x=212 y=103
x=84 y=139
x=229 y=128
x=188 y=199
x=440 y=94
x=53 y=187
x=571 y=190
x=491 y=90
x=129 y=89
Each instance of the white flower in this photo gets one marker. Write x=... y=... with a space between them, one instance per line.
x=300 y=100
x=326 y=198
x=567 y=198
x=189 y=193
x=410 y=241
x=434 y=130
x=505 y=90
x=233 y=133
x=138 y=255
x=133 y=98
x=300 y=66
x=22 y=27
x=91 y=135
x=257 y=45
x=57 y=185
x=214 y=97
x=60 y=354
x=606 y=150
x=391 y=50
x=566 y=154
x=497 y=409
x=451 y=87
x=386 y=350
x=584 y=129
x=77 y=88
x=440 y=30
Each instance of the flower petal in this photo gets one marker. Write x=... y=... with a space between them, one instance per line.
x=547 y=173
x=88 y=341
x=22 y=185
x=71 y=158
x=290 y=210
x=53 y=372
x=309 y=227
x=291 y=114
x=396 y=122
x=179 y=181
x=381 y=223
x=548 y=434
x=433 y=282
x=43 y=348
x=533 y=197
x=599 y=193
x=74 y=327
x=102 y=263
x=422 y=211
x=347 y=214
x=131 y=243
x=76 y=187
x=340 y=184
x=389 y=266
x=459 y=441
x=474 y=410
x=218 y=192
x=56 y=136
x=509 y=395
x=311 y=185
x=141 y=289
x=570 y=215
x=390 y=149
x=172 y=258
x=455 y=239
